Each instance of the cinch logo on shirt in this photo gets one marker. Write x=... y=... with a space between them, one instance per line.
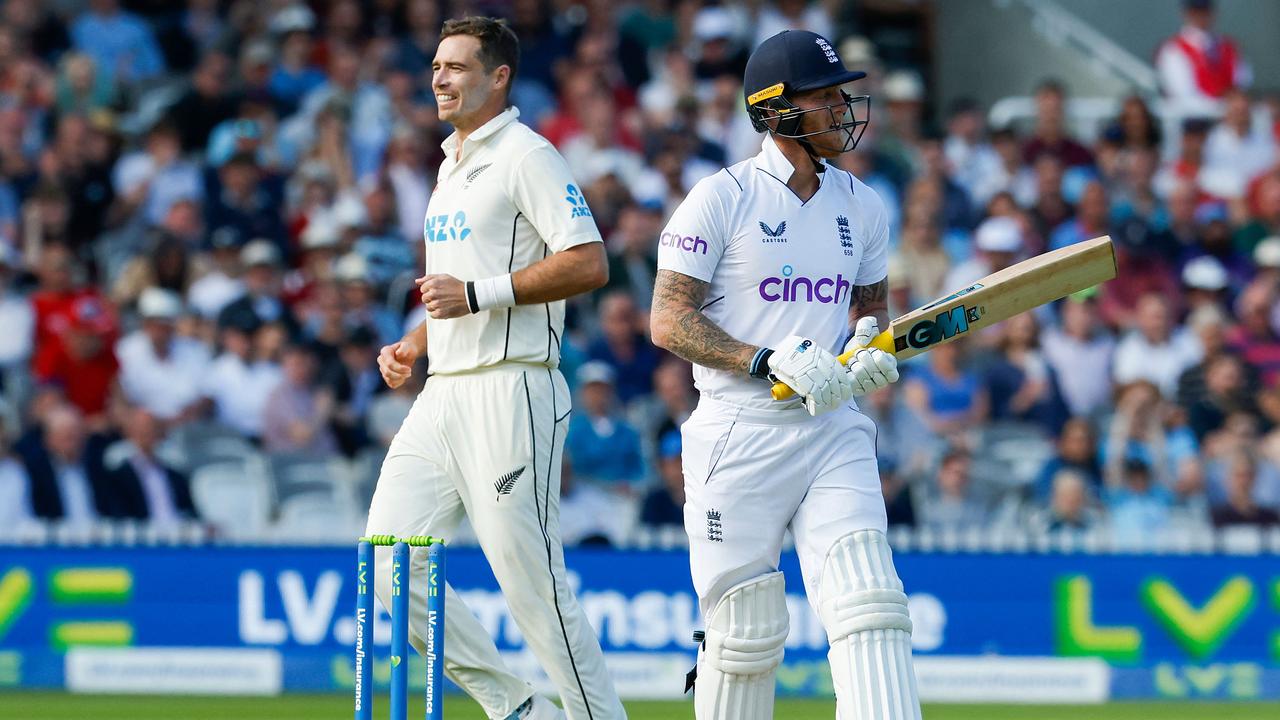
x=577 y=203
x=438 y=228
x=804 y=289
x=686 y=243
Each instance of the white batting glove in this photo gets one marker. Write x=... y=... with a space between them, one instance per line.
x=870 y=368
x=813 y=372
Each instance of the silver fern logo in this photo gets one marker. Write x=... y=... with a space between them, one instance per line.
x=507 y=482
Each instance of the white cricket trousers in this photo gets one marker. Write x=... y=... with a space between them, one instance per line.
x=751 y=475
x=489 y=444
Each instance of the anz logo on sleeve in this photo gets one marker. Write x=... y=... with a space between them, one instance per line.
x=442 y=228
x=577 y=203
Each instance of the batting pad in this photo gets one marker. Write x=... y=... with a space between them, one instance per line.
x=742 y=650
x=864 y=611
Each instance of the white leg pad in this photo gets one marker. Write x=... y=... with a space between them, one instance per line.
x=864 y=611
x=743 y=647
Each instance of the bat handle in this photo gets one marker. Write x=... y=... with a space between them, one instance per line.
x=883 y=341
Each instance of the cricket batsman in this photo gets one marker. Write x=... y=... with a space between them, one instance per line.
x=766 y=271
x=508 y=237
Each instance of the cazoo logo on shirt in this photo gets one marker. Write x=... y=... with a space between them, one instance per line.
x=693 y=244
x=439 y=228
x=798 y=288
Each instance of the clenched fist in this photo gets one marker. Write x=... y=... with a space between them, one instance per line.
x=395 y=362
x=444 y=295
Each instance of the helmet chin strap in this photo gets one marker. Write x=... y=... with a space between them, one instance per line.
x=813 y=155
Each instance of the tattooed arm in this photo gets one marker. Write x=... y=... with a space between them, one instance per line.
x=870 y=300
x=677 y=324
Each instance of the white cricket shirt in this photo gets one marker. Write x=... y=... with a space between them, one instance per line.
x=777 y=266
x=508 y=202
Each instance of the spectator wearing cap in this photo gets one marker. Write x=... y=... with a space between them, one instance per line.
x=1079 y=350
x=999 y=242
x=1237 y=149
x=293 y=75
x=320 y=249
x=1254 y=337
x=150 y=180
x=17 y=317
x=898 y=154
x=975 y=164
x=118 y=41
x=1155 y=349
x=1215 y=242
x=1204 y=282
x=353 y=382
x=718 y=38
x=74 y=332
x=1197 y=67
x=161 y=371
x=245 y=133
x=623 y=346
x=246 y=198
x=1264 y=222
x=1266 y=257
x=297 y=415
x=219 y=283
x=1050 y=136
x=1092 y=218
x=207 y=102
x=239 y=379
x=262 y=285
x=663 y=506
x=149 y=489
x=1240 y=506
x=362 y=308
x=602 y=445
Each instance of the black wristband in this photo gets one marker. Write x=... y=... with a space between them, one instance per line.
x=472 y=305
x=759 y=368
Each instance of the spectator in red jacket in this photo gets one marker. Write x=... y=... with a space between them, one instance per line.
x=1198 y=66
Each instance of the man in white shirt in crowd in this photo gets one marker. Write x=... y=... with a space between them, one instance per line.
x=1155 y=350
x=1198 y=66
x=160 y=370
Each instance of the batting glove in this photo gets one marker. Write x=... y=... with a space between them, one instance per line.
x=869 y=368
x=813 y=372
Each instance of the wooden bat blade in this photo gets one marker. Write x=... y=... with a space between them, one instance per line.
x=999 y=296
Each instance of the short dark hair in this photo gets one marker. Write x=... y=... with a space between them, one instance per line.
x=498 y=43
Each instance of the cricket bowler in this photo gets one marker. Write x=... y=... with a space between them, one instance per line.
x=508 y=237
x=766 y=271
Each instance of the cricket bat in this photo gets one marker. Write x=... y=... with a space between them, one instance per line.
x=998 y=296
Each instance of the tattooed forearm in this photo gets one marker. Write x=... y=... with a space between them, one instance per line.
x=870 y=300
x=678 y=325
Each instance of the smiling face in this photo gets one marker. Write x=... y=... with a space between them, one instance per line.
x=467 y=94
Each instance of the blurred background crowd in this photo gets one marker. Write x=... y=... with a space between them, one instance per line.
x=211 y=216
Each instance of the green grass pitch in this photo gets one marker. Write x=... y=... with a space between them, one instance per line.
x=61 y=706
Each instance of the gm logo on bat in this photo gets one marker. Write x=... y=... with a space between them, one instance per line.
x=924 y=333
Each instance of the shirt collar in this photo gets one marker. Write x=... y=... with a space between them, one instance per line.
x=485 y=131
x=772 y=161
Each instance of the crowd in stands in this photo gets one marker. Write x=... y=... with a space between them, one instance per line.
x=211 y=215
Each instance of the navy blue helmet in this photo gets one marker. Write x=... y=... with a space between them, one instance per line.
x=794 y=61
